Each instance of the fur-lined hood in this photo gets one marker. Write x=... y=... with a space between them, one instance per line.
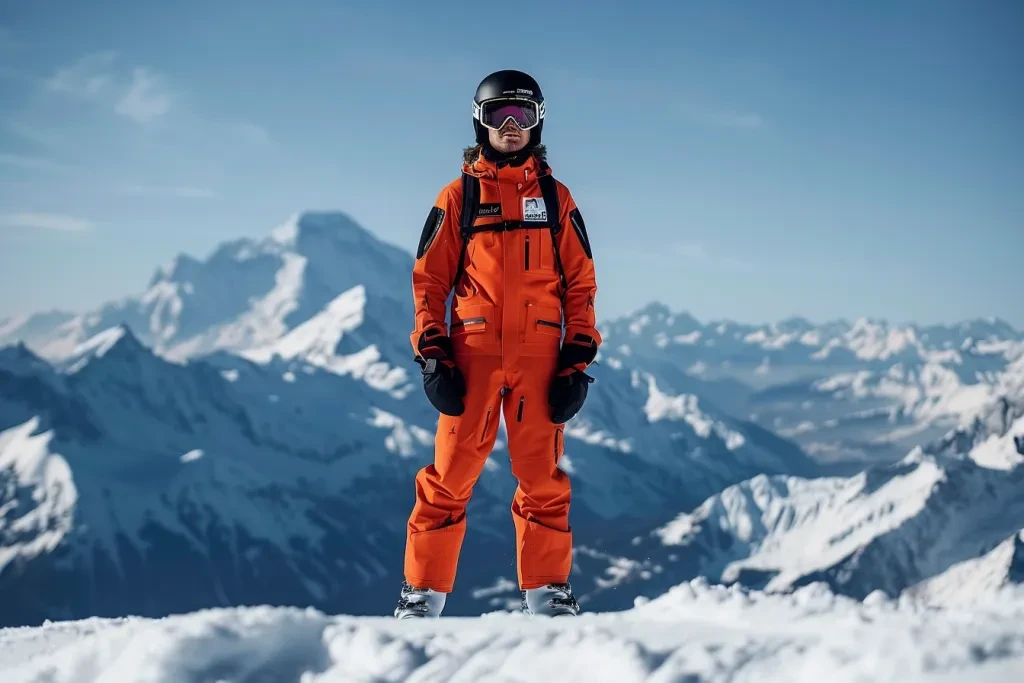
x=470 y=154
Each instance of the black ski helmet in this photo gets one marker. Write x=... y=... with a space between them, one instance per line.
x=505 y=83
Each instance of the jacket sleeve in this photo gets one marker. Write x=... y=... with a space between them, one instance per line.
x=581 y=336
x=437 y=259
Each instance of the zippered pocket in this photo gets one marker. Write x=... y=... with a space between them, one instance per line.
x=519 y=413
x=487 y=423
x=468 y=322
x=527 y=251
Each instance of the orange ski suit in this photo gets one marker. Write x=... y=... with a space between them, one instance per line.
x=508 y=316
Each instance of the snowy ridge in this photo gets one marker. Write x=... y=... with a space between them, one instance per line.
x=864 y=339
x=971 y=580
x=850 y=394
x=887 y=528
x=318 y=340
x=695 y=632
x=37 y=494
x=246 y=295
x=288 y=481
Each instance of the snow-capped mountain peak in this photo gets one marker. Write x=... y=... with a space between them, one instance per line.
x=246 y=295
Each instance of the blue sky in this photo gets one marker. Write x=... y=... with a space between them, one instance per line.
x=747 y=160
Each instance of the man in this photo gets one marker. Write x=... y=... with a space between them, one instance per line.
x=510 y=242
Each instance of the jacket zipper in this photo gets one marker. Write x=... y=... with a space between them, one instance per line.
x=548 y=323
x=519 y=413
x=527 y=251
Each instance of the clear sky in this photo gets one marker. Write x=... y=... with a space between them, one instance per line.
x=750 y=160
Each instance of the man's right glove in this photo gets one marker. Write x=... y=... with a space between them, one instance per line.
x=443 y=383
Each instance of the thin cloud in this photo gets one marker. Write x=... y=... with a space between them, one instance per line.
x=146 y=99
x=253 y=134
x=182 y=192
x=87 y=77
x=696 y=253
x=141 y=95
x=33 y=163
x=54 y=222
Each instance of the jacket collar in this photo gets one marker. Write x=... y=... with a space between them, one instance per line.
x=532 y=163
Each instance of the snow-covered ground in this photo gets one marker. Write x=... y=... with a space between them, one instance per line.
x=694 y=633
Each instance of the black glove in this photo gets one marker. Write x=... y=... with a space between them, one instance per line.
x=567 y=394
x=444 y=386
x=443 y=383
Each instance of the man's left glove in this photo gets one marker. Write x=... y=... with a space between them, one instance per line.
x=567 y=394
x=568 y=389
x=443 y=383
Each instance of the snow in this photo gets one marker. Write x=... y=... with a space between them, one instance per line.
x=758 y=337
x=264 y=322
x=872 y=341
x=812 y=338
x=165 y=309
x=698 y=369
x=316 y=342
x=36 y=523
x=999 y=452
x=96 y=346
x=695 y=632
x=638 y=325
x=287 y=232
x=686 y=407
x=194 y=454
x=9 y=325
x=964 y=583
x=688 y=339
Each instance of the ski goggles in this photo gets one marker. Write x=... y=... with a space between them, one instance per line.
x=494 y=114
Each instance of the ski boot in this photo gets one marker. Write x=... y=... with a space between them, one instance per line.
x=419 y=603
x=552 y=600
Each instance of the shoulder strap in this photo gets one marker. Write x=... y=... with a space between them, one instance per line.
x=467 y=216
x=549 y=189
x=470 y=203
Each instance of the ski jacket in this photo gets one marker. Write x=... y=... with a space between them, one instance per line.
x=521 y=278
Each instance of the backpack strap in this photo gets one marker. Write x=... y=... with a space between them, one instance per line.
x=549 y=189
x=470 y=203
x=470 y=207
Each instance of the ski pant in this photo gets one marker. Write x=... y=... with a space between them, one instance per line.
x=540 y=506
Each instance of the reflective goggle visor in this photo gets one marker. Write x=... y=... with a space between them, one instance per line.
x=494 y=113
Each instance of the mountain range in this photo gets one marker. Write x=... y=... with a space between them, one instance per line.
x=247 y=428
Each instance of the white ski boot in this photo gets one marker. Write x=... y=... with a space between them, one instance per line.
x=419 y=603
x=552 y=600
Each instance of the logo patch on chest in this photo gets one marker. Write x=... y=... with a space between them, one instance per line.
x=534 y=209
x=489 y=210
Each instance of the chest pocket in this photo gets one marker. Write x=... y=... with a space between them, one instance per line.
x=538 y=251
